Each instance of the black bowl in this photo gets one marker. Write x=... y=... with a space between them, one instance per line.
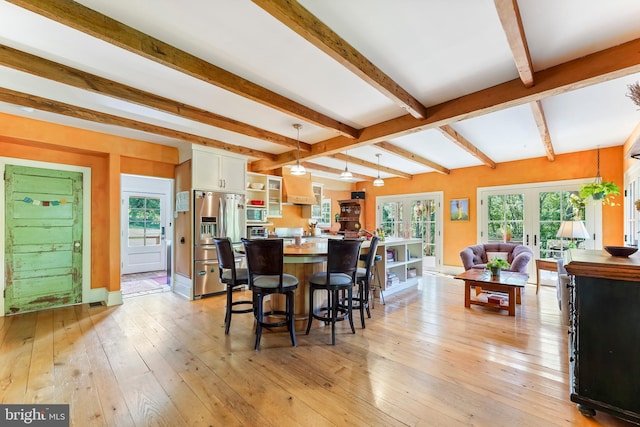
x=620 y=250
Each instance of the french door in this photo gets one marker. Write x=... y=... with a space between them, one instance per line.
x=415 y=216
x=531 y=215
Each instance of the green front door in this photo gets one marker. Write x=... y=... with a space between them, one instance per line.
x=43 y=238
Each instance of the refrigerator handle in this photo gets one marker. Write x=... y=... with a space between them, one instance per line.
x=222 y=222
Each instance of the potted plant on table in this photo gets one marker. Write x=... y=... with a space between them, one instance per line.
x=497 y=264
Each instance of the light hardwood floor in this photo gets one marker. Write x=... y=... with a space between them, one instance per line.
x=423 y=360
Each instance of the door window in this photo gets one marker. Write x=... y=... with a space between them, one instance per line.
x=144 y=221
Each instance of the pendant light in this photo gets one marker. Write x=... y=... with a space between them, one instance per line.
x=378 y=182
x=346 y=175
x=298 y=169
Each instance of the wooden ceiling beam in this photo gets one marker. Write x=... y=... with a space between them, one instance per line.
x=327 y=169
x=44 y=68
x=305 y=24
x=370 y=165
x=543 y=129
x=467 y=146
x=394 y=149
x=39 y=103
x=598 y=67
x=509 y=14
x=81 y=18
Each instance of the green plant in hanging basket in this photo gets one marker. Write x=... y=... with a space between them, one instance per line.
x=604 y=191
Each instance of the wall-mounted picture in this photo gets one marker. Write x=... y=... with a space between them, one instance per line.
x=459 y=209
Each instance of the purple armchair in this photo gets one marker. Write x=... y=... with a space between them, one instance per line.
x=518 y=256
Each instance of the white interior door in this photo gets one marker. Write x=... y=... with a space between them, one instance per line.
x=144 y=220
x=146 y=226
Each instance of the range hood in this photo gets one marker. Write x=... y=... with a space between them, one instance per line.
x=298 y=190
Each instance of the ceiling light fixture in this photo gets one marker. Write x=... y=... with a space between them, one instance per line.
x=378 y=182
x=298 y=169
x=346 y=175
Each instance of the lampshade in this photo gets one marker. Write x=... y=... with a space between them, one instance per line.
x=573 y=230
x=298 y=169
x=346 y=175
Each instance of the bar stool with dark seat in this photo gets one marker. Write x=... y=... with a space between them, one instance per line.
x=233 y=277
x=266 y=277
x=364 y=280
x=342 y=265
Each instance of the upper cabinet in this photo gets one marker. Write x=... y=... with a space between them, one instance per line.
x=274 y=196
x=219 y=172
x=265 y=190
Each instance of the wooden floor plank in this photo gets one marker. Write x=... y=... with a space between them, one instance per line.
x=423 y=360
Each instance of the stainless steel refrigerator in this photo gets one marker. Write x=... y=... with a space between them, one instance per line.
x=215 y=215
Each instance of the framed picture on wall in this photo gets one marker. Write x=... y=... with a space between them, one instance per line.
x=459 y=209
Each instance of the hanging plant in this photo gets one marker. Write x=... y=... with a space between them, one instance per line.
x=604 y=191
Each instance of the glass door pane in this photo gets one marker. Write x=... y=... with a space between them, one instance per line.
x=505 y=213
x=391 y=222
x=144 y=221
x=554 y=208
x=423 y=224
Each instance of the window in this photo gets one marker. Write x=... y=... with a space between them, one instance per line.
x=144 y=221
x=325 y=213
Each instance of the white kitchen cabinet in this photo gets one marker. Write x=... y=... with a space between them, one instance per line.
x=219 y=172
x=274 y=196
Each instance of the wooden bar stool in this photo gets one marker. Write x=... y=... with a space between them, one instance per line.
x=233 y=277
x=342 y=266
x=265 y=264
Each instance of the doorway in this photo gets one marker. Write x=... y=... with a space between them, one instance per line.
x=415 y=216
x=531 y=215
x=146 y=230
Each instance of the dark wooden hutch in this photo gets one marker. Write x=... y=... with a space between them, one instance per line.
x=349 y=218
x=605 y=333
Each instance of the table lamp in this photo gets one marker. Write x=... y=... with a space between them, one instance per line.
x=573 y=230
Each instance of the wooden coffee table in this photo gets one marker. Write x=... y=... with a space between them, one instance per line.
x=508 y=282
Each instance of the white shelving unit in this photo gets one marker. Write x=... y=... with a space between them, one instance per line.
x=402 y=258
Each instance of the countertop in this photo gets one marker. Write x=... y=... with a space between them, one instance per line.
x=598 y=263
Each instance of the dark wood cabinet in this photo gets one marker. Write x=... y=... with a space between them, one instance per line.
x=349 y=218
x=605 y=333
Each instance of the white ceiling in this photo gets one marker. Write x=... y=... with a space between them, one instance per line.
x=437 y=50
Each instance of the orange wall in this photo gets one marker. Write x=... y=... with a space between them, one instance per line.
x=34 y=140
x=30 y=139
x=463 y=183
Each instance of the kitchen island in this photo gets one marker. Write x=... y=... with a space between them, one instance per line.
x=303 y=261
